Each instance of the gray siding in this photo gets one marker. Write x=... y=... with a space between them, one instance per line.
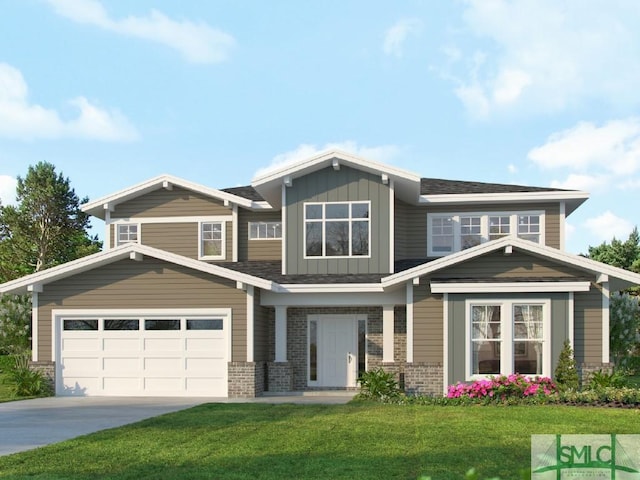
x=588 y=326
x=149 y=283
x=411 y=223
x=457 y=328
x=257 y=249
x=170 y=203
x=329 y=185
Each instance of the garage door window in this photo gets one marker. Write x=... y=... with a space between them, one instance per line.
x=80 y=325
x=122 y=324
x=163 y=324
x=204 y=324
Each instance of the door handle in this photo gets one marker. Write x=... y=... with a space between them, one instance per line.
x=349 y=356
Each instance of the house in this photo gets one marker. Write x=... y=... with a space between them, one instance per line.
x=314 y=273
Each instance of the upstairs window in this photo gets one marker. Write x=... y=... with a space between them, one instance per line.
x=127 y=233
x=337 y=229
x=452 y=232
x=265 y=230
x=212 y=241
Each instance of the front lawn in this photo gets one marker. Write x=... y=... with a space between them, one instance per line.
x=355 y=441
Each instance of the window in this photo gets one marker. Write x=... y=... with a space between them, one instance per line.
x=265 y=230
x=339 y=229
x=80 y=324
x=126 y=324
x=449 y=233
x=508 y=337
x=204 y=324
x=127 y=233
x=172 y=324
x=212 y=244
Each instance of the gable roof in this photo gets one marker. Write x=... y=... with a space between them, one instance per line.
x=618 y=278
x=269 y=184
x=97 y=207
x=133 y=251
x=439 y=186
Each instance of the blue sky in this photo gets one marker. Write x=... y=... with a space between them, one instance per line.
x=535 y=92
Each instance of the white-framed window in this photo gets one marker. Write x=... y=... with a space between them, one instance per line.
x=337 y=229
x=127 y=233
x=508 y=336
x=212 y=241
x=265 y=230
x=451 y=232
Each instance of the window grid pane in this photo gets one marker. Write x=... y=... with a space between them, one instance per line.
x=442 y=234
x=211 y=245
x=529 y=227
x=470 y=231
x=486 y=339
x=127 y=233
x=339 y=229
x=499 y=226
x=265 y=230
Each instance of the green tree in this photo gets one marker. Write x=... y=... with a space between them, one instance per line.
x=618 y=253
x=45 y=228
x=566 y=373
x=624 y=322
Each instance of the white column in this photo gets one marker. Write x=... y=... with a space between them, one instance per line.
x=234 y=233
x=571 y=321
x=410 y=322
x=387 y=333
x=34 y=326
x=281 y=334
x=250 y=324
x=605 y=322
x=445 y=341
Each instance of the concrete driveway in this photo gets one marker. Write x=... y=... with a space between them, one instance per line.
x=28 y=424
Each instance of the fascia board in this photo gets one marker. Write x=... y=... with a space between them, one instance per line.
x=330 y=288
x=509 y=287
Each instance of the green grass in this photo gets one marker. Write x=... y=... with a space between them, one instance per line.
x=355 y=441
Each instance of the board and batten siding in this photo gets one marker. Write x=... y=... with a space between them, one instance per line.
x=411 y=223
x=329 y=185
x=428 y=314
x=588 y=326
x=177 y=202
x=150 y=283
x=257 y=249
x=457 y=345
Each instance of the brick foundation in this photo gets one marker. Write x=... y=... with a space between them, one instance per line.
x=246 y=379
x=48 y=369
x=585 y=370
x=280 y=376
x=423 y=379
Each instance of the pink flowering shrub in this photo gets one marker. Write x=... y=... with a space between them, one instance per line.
x=504 y=389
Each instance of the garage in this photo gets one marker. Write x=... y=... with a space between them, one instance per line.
x=142 y=353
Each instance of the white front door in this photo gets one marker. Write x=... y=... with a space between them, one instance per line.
x=333 y=341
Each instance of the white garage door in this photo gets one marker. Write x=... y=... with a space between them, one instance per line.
x=145 y=355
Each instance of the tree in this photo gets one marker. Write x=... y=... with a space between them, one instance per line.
x=566 y=373
x=624 y=322
x=619 y=254
x=44 y=229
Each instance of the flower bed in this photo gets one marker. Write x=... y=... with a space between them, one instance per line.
x=504 y=389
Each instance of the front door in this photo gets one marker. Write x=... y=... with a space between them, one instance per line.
x=333 y=350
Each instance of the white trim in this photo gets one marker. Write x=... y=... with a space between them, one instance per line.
x=96 y=207
x=342 y=298
x=234 y=233
x=506 y=340
x=571 y=319
x=223 y=245
x=116 y=233
x=324 y=220
x=605 y=323
x=250 y=324
x=107 y=229
x=284 y=229
x=509 y=197
x=180 y=219
x=34 y=326
x=509 y=287
x=392 y=227
x=281 y=333
x=329 y=287
x=388 y=317
x=484 y=227
x=123 y=252
x=563 y=226
x=409 y=303
x=267 y=223
x=445 y=343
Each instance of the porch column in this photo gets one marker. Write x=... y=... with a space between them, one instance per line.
x=281 y=334
x=387 y=333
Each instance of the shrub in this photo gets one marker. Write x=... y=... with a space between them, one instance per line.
x=603 y=379
x=566 y=373
x=378 y=385
x=27 y=382
x=504 y=389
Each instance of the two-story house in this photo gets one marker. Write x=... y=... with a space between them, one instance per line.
x=313 y=274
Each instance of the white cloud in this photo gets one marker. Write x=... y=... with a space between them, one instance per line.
x=396 y=35
x=512 y=168
x=8 y=190
x=24 y=120
x=587 y=183
x=197 y=42
x=382 y=153
x=608 y=225
x=546 y=55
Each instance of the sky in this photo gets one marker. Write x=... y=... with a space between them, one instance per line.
x=530 y=92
